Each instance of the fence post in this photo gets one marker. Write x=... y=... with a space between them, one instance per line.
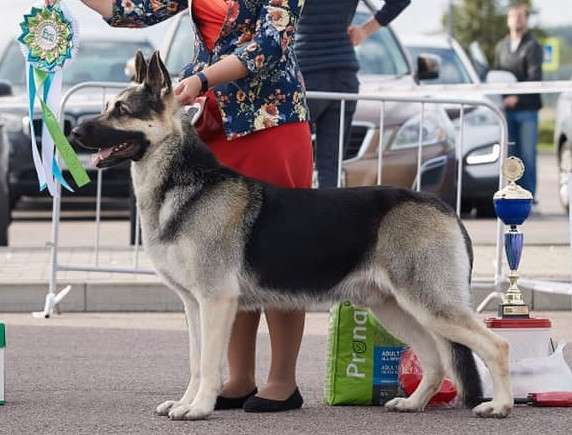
x=380 y=144
x=420 y=147
x=459 y=153
x=341 y=140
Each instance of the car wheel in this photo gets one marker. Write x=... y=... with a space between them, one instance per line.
x=565 y=167
x=485 y=209
x=5 y=214
x=466 y=207
x=13 y=202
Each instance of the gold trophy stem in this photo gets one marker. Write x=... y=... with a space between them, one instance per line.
x=513 y=304
x=513 y=295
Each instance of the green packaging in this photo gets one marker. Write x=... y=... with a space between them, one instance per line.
x=363 y=359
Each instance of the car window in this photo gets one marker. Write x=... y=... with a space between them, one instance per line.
x=451 y=72
x=380 y=53
x=181 y=49
x=95 y=61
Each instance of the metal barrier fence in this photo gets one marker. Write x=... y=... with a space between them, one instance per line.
x=417 y=95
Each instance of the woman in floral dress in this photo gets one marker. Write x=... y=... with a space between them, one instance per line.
x=258 y=126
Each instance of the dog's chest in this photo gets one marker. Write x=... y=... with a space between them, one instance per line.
x=176 y=262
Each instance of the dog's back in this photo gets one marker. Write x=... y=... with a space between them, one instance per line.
x=310 y=241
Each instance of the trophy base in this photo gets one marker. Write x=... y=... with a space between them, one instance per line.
x=514 y=311
x=528 y=337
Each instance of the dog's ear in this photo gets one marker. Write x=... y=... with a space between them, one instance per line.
x=167 y=85
x=158 y=79
x=140 y=67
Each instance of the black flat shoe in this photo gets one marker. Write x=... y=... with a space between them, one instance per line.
x=224 y=403
x=258 y=404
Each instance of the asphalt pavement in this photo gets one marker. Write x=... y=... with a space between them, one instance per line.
x=105 y=374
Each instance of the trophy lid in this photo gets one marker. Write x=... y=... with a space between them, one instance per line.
x=513 y=170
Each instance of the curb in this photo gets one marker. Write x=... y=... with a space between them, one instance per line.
x=155 y=297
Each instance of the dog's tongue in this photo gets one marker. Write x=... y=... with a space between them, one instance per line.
x=101 y=155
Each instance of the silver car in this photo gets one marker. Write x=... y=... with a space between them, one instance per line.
x=481 y=149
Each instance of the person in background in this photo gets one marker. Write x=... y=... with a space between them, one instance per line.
x=325 y=50
x=523 y=56
x=257 y=124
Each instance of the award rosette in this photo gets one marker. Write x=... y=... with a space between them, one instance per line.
x=49 y=40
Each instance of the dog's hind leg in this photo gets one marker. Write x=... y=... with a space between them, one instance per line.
x=192 y=316
x=459 y=325
x=217 y=314
x=404 y=326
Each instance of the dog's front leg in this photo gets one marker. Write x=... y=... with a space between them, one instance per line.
x=192 y=314
x=217 y=318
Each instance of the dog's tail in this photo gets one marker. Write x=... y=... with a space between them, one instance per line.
x=466 y=374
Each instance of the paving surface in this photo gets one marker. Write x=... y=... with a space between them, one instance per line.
x=105 y=373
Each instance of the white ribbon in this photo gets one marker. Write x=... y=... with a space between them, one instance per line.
x=53 y=100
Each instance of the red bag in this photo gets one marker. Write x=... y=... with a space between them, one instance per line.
x=410 y=375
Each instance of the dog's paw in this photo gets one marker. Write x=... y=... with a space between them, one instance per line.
x=165 y=407
x=189 y=412
x=492 y=409
x=401 y=404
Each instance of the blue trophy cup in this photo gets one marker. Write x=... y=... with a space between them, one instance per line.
x=512 y=206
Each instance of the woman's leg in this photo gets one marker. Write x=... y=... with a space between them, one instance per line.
x=242 y=355
x=286 y=329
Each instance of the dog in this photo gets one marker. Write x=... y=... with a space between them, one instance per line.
x=224 y=242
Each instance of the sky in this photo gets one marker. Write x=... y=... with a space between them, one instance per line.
x=422 y=16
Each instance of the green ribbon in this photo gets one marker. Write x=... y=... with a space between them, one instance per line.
x=67 y=153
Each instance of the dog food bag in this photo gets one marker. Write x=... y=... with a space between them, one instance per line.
x=2 y=349
x=363 y=359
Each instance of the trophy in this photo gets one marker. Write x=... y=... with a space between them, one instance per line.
x=512 y=206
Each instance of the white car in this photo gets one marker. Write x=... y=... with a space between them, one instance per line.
x=481 y=149
x=563 y=144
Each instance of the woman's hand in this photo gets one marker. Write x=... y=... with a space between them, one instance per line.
x=188 y=90
x=357 y=35
x=50 y=2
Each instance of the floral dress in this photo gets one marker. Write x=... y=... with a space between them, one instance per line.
x=265 y=132
x=261 y=34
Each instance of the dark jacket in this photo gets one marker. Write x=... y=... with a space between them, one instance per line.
x=322 y=41
x=261 y=34
x=525 y=63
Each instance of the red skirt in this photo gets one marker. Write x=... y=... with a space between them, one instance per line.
x=280 y=155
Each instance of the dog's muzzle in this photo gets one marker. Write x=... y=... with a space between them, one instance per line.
x=126 y=145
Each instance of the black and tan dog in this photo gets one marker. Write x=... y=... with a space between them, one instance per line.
x=224 y=243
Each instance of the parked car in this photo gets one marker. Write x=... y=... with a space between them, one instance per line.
x=4 y=199
x=481 y=149
x=384 y=65
x=563 y=145
x=99 y=59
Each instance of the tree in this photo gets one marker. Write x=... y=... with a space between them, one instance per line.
x=483 y=21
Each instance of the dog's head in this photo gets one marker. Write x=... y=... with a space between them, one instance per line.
x=135 y=121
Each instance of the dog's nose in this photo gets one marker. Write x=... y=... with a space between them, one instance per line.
x=76 y=133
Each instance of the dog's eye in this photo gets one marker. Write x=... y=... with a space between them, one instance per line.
x=121 y=108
